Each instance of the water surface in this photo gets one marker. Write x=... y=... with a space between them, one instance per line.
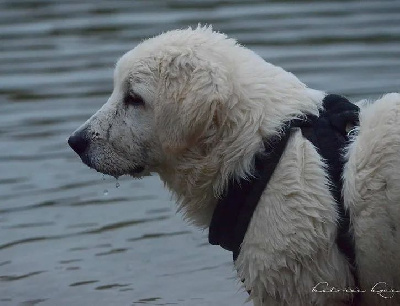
x=70 y=237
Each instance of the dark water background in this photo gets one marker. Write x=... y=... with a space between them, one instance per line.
x=70 y=237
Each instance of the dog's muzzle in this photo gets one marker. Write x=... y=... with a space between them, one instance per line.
x=98 y=157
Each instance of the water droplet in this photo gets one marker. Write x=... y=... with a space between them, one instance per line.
x=117 y=184
x=105 y=192
x=104 y=177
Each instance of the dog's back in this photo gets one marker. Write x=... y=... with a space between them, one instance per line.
x=372 y=195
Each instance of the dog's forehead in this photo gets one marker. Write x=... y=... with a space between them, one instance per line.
x=125 y=65
x=140 y=61
x=136 y=65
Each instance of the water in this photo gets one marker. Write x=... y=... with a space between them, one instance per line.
x=69 y=237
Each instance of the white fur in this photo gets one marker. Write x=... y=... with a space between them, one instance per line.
x=372 y=193
x=209 y=103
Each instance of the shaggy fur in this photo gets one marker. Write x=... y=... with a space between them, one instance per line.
x=195 y=107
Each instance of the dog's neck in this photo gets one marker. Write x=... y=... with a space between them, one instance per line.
x=255 y=113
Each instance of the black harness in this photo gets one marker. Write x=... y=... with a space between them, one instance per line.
x=327 y=132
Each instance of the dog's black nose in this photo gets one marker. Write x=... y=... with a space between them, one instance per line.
x=78 y=142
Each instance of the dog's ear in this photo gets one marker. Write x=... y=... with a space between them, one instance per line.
x=192 y=92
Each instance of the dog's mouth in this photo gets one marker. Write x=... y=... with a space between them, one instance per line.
x=110 y=167
x=103 y=158
x=137 y=171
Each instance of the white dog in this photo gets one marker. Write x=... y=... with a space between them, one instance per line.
x=196 y=108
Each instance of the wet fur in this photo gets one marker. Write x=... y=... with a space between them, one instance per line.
x=209 y=103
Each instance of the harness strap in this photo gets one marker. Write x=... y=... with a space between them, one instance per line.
x=327 y=132
x=233 y=213
x=329 y=136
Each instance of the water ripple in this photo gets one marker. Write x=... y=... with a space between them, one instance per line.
x=158 y=235
x=111 y=286
x=99 y=230
x=11 y=278
x=56 y=67
x=111 y=252
x=82 y=283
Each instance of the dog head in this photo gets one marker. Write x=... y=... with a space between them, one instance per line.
x=167 y=97
x=194 y=107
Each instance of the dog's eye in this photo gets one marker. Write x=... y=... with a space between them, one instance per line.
x=133 y=99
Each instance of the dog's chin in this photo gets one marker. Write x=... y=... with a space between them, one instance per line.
x=113 y=169
x=139 y=172
x=136 y=172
